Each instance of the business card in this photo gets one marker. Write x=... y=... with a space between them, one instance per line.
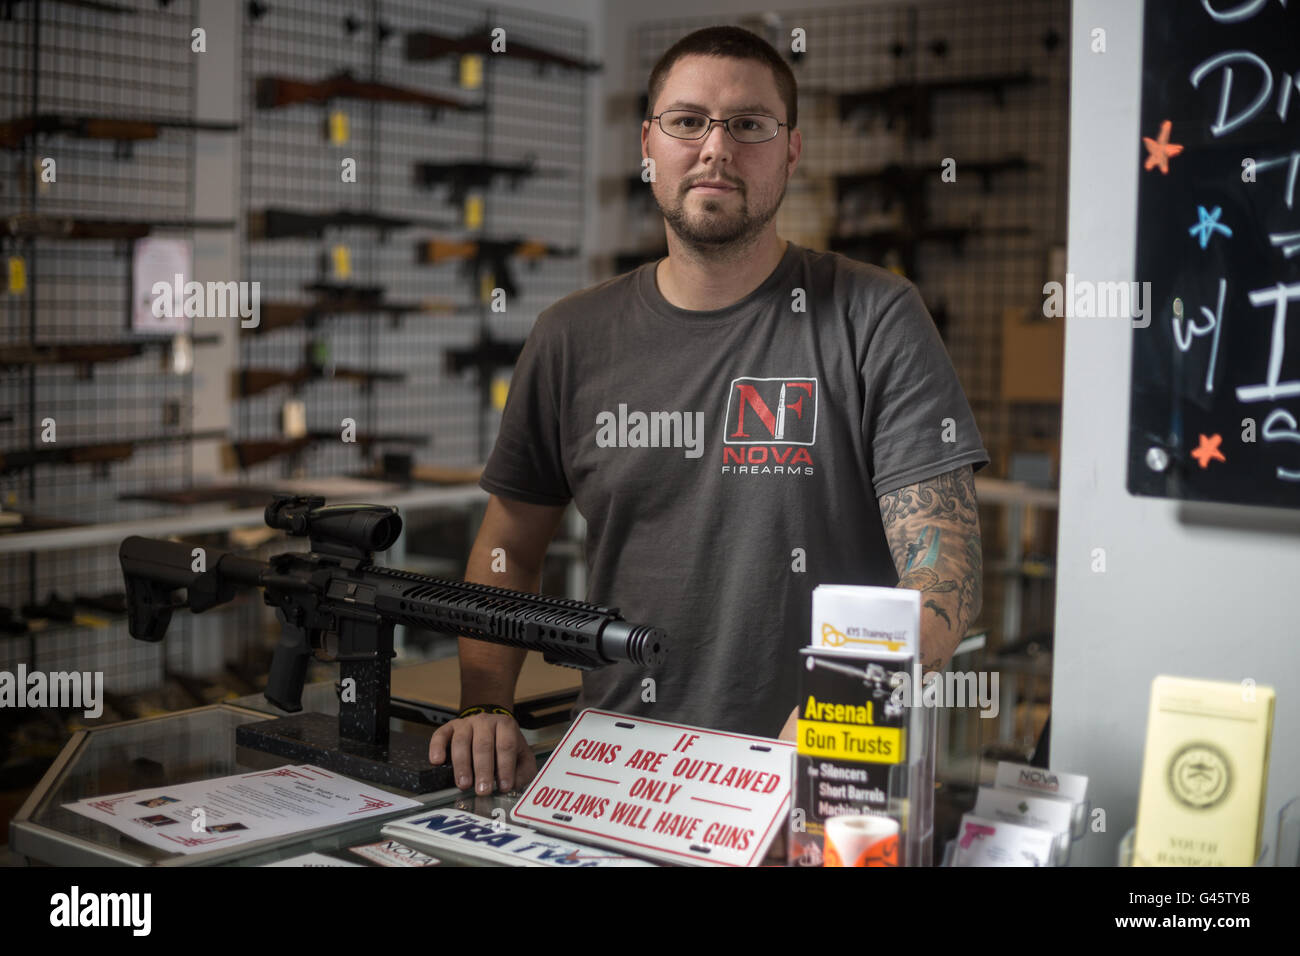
x=986 y=842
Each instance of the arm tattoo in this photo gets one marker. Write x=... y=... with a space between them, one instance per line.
x=932 y=528
x=948 y=497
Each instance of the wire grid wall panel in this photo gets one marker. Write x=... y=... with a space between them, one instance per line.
x=290 y=163
x=75 y=60
x=850 y=49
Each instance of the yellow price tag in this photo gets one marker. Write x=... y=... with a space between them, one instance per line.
x=17 y=275
x=473 y=212
x=500 y=389
x=338 y=124
x=471 y=71
x=341 y=257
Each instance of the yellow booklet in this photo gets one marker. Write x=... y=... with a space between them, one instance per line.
x=1205 y=774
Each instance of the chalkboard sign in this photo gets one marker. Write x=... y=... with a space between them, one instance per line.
x=1214 y=410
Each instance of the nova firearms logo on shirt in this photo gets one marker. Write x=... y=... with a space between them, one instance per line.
x=771 y=426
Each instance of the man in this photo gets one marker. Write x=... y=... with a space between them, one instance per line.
x=738 y=422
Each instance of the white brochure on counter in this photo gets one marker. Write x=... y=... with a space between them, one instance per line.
x=665 y=791
x=243 y=808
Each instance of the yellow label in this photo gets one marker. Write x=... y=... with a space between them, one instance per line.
x=471 y=71
x=338 y=127
x=500 y=389
x=17 y=275
x=341 y=257
x=473 y=212
x=486 y=284
x=864 y=744
x=293 y=418
x=834 y=637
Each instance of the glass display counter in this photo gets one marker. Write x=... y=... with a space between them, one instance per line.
x=175 y=748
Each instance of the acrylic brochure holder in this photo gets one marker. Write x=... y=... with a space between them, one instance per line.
x=826 y=787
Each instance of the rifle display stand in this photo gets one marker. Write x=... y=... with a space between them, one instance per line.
x=314 y=738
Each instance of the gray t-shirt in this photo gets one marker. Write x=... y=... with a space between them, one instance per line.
x=727 y=462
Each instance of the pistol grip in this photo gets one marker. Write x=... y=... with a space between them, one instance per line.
x=288 y=668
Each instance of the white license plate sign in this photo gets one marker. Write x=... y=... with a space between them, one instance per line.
x=664 y=791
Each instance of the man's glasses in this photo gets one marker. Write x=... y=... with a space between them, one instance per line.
x=746 y=128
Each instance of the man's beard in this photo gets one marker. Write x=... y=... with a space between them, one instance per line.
x=711 y=226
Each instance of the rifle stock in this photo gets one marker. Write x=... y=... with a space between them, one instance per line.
x=250 y=381
x=123 y=130
x=276 y=91
x=97 y=453
x=68 y=354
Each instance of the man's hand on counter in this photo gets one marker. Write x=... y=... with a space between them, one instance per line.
x=484 y=748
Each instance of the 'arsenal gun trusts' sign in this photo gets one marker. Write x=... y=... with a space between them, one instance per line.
x=1215 y=397
x=664 y=791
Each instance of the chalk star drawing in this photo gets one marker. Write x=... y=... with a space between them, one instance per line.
x=1161 y=149
x=1208 y=448
x=1209 y=224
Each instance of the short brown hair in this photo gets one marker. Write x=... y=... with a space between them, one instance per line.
x=731 y=42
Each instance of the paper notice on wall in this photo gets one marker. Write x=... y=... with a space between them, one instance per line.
x=159 y=270
x=665 y=791
x=244 y=808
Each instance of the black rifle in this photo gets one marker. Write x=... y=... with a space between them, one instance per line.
x=487 y=356
x=98 y=6
x=294 y=224
x=461 y=177
x=903 y=180
x=871 y=246
x=54 y=608
x=245 y=454
x=113 y=602
x=57 y=227
x=333 y=597
x=913 y=102
x=431 y=46
x=11 y=623
x=491 y=254
x=906 y=185
x=124 y=132
x=627 y=261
